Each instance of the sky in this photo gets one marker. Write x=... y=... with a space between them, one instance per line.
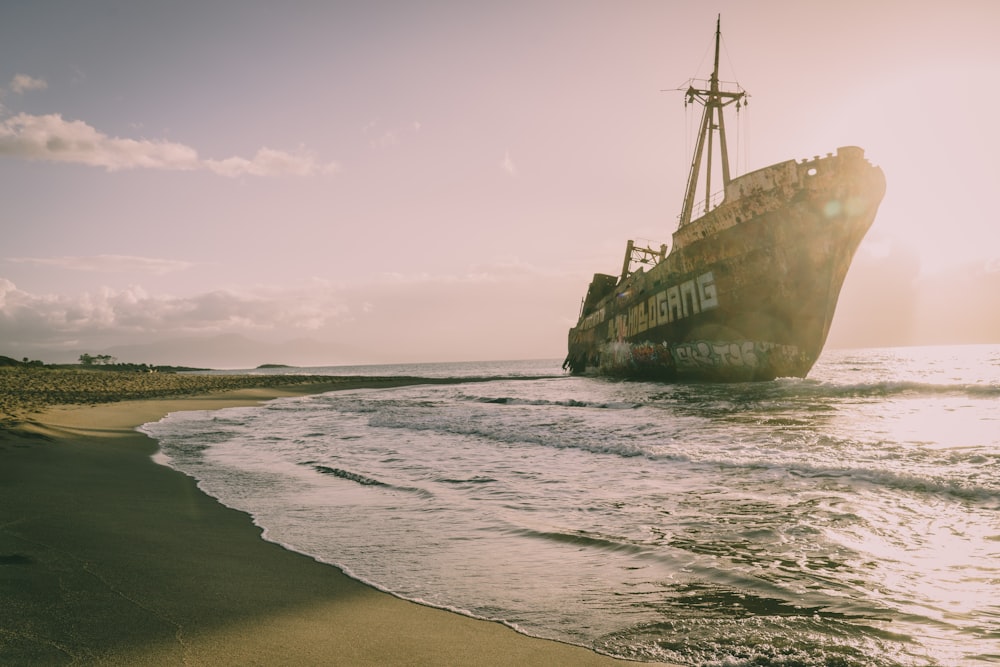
x=378 y=182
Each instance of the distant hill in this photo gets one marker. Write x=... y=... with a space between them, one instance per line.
x=231 y=351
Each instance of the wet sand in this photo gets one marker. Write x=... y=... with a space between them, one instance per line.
x=109 y=558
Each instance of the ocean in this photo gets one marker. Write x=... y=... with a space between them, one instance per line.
x=851 y=518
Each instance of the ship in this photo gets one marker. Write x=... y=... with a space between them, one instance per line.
x=749 y=287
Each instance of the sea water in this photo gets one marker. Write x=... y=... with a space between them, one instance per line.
x=851 y=518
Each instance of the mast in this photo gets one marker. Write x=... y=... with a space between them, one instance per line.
x=712 y=121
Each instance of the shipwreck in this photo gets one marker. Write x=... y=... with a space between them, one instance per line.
x=750 y=285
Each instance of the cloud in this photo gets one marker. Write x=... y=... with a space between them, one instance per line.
x=52 y=138
x=114 y=314
x=507 y=310
x=22 y=83
x=108 y=263
x=387 y=139
x=391 y=136
x=887 y=300
x=506 y=270
x=508 y=164
x=270 y=162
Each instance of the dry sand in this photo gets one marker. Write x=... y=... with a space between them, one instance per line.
x=108 y=558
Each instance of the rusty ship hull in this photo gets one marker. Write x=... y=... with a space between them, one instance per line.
x=748 y=290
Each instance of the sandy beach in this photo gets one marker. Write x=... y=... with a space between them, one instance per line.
x=108 y=558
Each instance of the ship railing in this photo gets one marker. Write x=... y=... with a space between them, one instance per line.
x=713 y=203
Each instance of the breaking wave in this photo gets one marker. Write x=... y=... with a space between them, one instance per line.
x=846 y=519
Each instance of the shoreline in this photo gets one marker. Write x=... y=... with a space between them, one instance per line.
x=110 y=558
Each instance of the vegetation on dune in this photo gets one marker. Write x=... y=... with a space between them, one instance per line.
x=27 y=387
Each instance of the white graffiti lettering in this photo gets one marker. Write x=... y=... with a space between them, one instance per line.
x=673 y=303
x=706 y=291
x=701 y=355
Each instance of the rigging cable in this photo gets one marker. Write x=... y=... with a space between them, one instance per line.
x=742 y=138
